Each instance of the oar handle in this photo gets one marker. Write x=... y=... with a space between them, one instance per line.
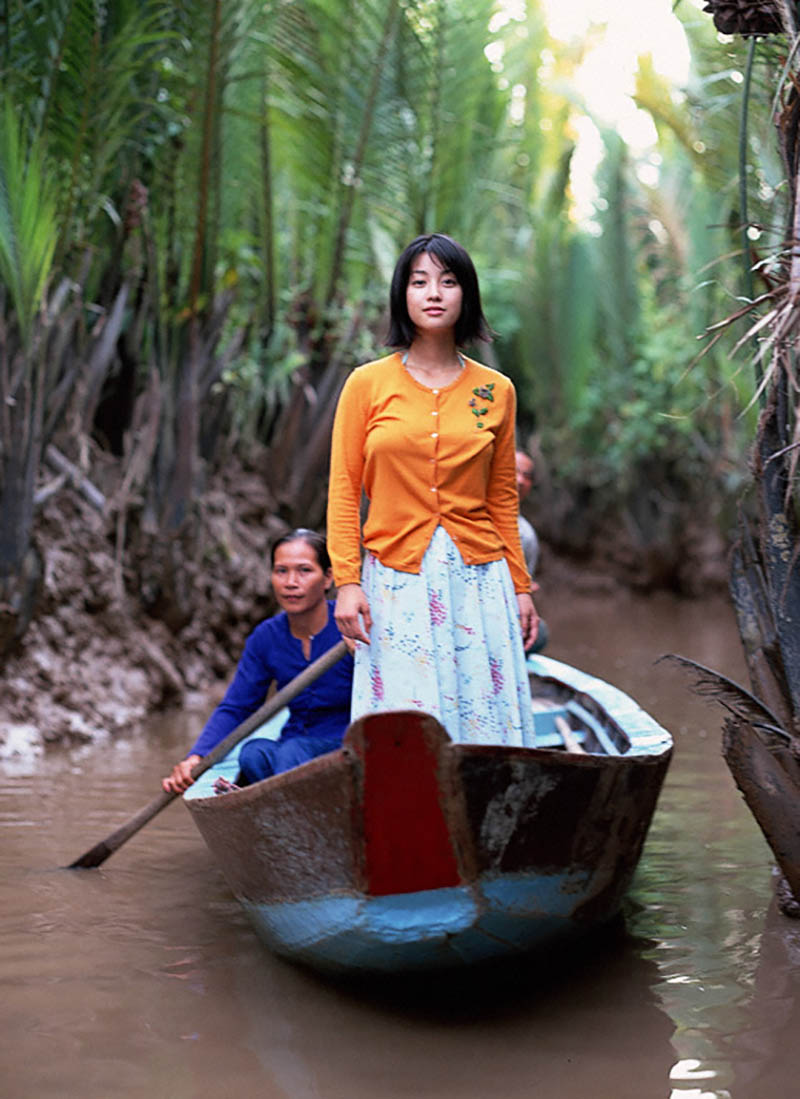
x=100 y=852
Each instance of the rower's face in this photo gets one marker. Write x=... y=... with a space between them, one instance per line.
x=298 y=580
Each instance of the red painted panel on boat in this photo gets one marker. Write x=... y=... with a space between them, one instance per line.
x=406 y=836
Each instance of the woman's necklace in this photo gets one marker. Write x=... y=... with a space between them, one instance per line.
x=438 y=375
x=305 y=631
x=306 y=640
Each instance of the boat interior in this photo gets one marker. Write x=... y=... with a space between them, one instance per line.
x=569 y=726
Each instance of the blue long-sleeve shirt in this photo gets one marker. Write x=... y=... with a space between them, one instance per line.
x=270 y=653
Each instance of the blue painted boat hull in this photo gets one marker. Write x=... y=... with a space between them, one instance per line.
x=433 y=929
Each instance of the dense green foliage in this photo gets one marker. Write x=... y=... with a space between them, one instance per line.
x=230 y=184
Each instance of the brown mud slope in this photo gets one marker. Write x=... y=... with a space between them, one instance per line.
x=93 y=663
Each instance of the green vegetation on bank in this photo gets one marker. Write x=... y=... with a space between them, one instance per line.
x=199 y=208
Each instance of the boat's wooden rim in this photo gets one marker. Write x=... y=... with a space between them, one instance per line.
x=643 y=733
x=646 y=740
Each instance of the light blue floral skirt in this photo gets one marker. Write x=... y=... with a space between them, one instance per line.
x=446 y=641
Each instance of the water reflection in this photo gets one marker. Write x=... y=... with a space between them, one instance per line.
x=704 y=886
x=143 y=978
x=545 y=1028
x=765 y=1052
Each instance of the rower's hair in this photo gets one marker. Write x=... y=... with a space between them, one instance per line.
x=311 y=538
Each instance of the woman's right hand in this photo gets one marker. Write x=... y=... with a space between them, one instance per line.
x=351 y=609
x=181 y=777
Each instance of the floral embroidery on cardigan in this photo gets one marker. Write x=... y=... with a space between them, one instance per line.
x=485 y=394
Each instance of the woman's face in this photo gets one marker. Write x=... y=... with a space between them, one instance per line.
x=433 y=295
x=298 y=579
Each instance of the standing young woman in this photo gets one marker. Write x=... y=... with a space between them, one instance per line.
x=278 y=650
x=443 y=604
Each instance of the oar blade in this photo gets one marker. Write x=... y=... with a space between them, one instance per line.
x=90 y=859
x=100 y=852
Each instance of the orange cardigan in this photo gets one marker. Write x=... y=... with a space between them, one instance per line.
x=424 y=457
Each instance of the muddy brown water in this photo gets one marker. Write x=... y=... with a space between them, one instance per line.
x=142 y=978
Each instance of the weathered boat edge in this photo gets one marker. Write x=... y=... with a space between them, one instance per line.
x=645 y=734
x=496 y=913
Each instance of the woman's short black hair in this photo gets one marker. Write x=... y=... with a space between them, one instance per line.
x=471 y=325
x=311 y=538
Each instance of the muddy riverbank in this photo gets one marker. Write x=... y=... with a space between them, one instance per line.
x=94 y=665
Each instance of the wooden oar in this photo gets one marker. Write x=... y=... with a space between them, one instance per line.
x=567 y=734
x=100 y=852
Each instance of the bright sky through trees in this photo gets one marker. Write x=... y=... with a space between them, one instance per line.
x=618 y=33
x=631 y=28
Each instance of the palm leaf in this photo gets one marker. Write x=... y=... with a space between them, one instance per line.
x=735 y=698
x=83 y=77
x=27 y=221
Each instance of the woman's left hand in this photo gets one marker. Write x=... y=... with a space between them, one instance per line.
x=181 y=777
x=528 y=619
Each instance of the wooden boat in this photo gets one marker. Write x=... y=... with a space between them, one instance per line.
x=405 y=851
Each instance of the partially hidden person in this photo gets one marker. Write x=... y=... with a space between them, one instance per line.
x=275 y=652
x=529 y=539
x=442 y=608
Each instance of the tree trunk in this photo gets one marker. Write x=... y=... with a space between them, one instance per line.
x=770 y=783
x=20 y=453
x=765 y=577
x=348 y=192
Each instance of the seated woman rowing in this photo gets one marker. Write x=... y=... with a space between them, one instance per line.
x=278 y=650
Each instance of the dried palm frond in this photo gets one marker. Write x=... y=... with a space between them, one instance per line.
x=735 y=698
x=745 y=17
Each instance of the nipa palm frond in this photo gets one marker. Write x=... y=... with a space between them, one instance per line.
x=735 y=698
x=27 y=221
